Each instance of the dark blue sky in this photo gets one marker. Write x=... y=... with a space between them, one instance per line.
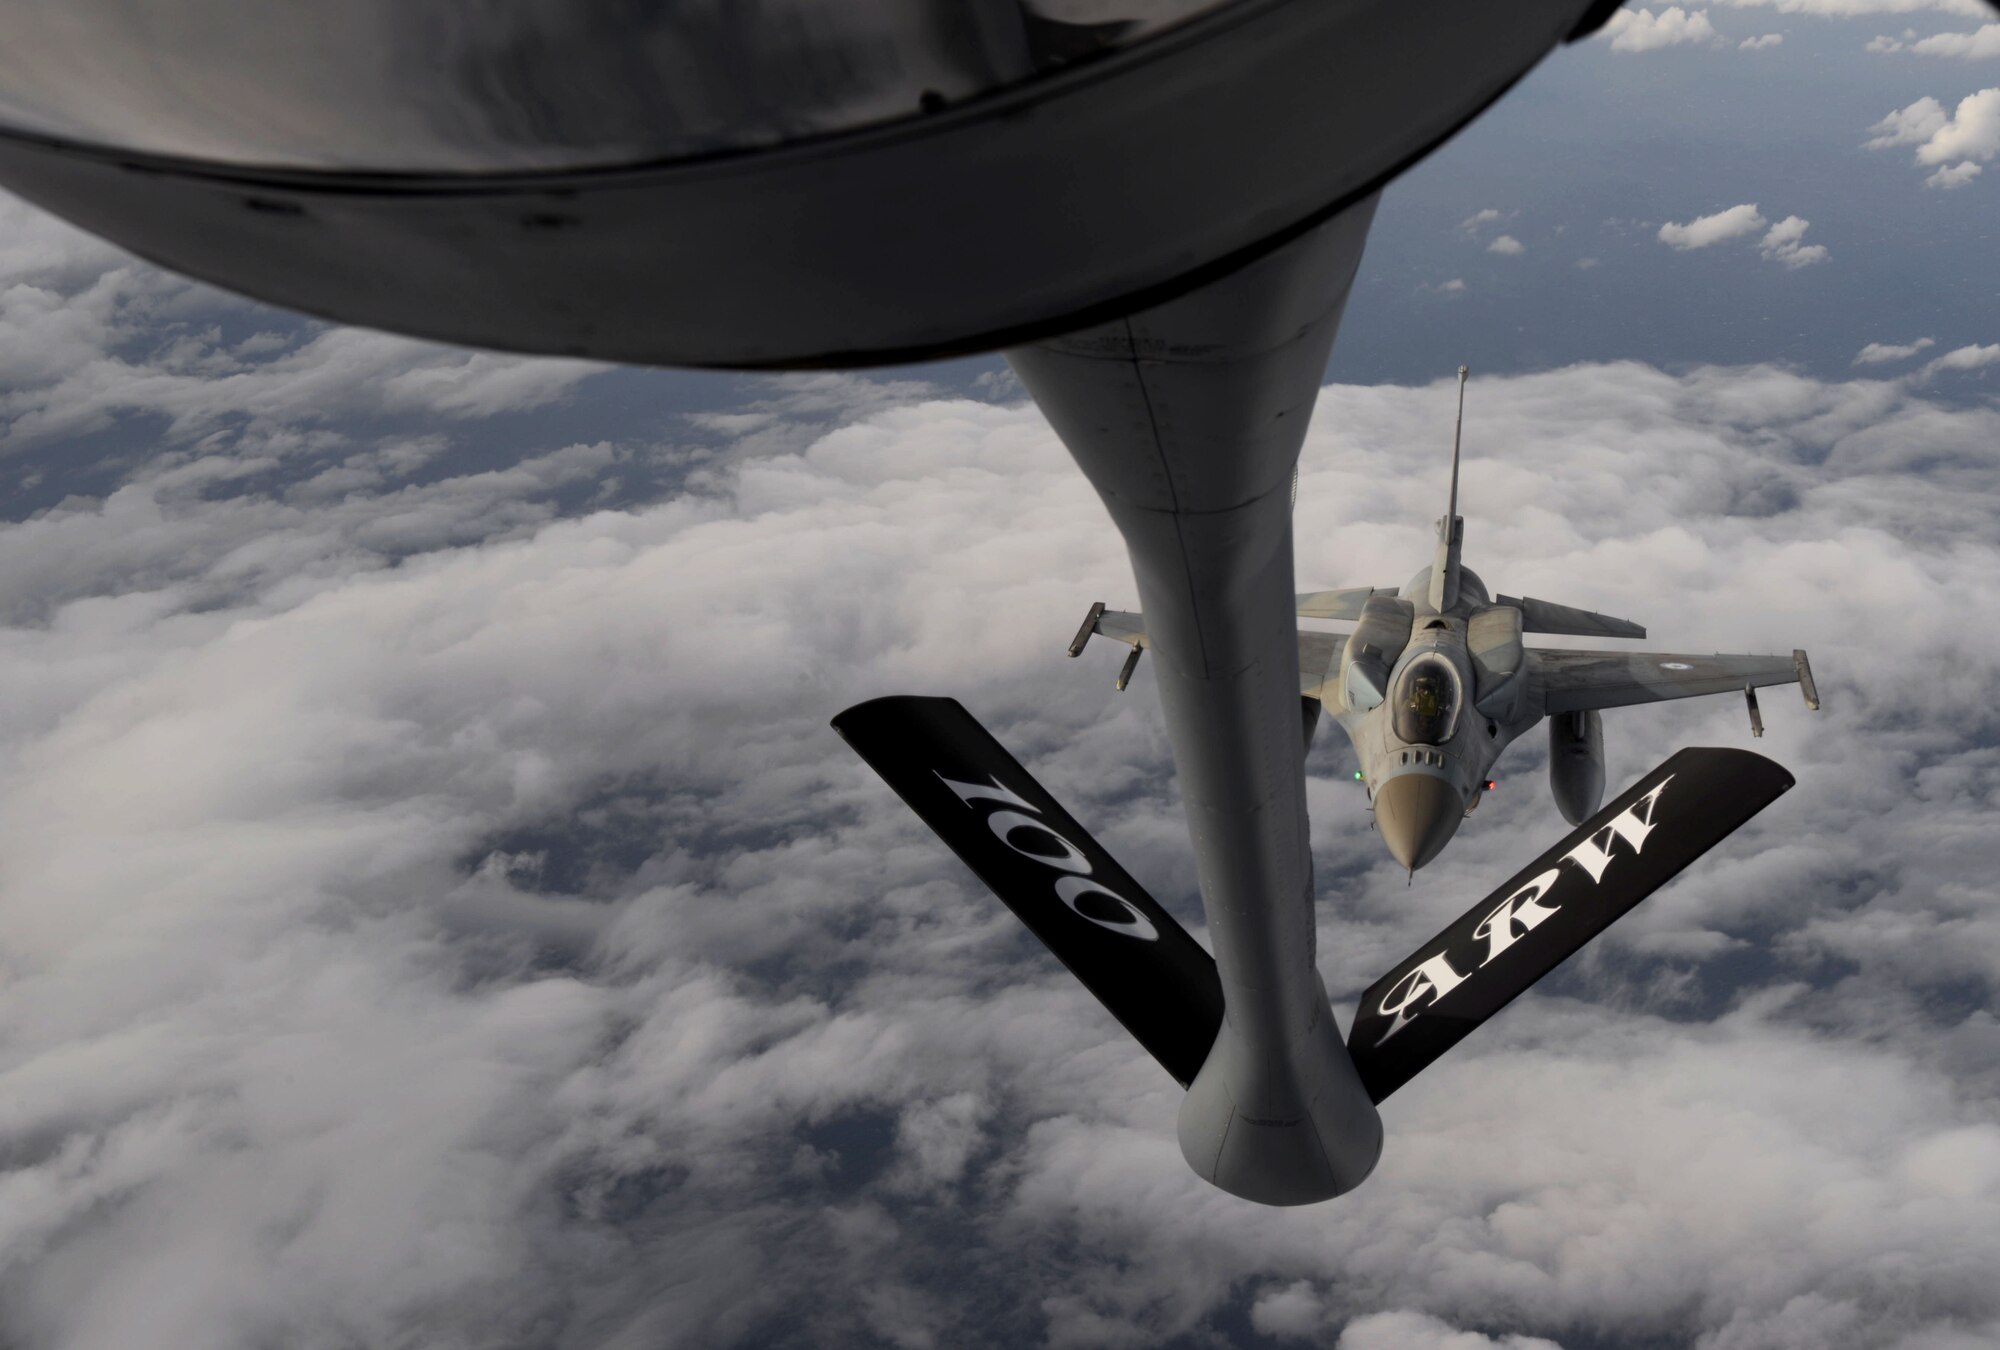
x=1592 y=152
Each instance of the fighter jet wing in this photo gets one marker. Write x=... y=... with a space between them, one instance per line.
x=1319 y=663
x=1574 y=681
x=1338 y=604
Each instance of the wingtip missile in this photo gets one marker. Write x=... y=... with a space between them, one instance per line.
x=1083 y=634
x=1125 y=671
x=1806 y=685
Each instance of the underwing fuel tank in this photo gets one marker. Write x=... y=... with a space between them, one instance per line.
x=1576 y=763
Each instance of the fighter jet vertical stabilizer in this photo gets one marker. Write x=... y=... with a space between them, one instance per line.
x=1451 y=530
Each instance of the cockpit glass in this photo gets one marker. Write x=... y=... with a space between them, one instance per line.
x=1426 y=700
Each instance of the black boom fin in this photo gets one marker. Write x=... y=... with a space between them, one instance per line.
x=1602 y=869
x=1129 y=952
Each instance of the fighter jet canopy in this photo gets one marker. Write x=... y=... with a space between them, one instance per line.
x=719 y=182
x=1425 y=701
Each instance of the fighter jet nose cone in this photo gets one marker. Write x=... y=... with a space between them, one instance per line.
x=1417 y=816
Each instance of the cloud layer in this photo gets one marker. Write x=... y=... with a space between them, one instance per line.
x=1641 y=30
x=1981 y=44
x=1878 y=353
x=1781 y=243
x=1703 y=231
x=1847 y=9
x=434 y=912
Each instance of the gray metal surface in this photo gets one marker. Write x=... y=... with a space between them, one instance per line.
x=1188 y=420
x=412 y=86
x=801 y=228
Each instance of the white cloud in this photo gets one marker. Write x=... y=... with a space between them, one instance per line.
x=1878 y=353
x=1455 y=286
x=1758 y=44
x=1418 y=1331
x=436 y=912
x=1585 y=264
x=1640 y=30
x=1485 y=216
x=1912 y=125
x=1964 y=358
x=361 y=1059
x=1703 y=231
x=1785 y=234
x=1847 y=9
x=1507 y=245
x=1957 y=144
x=1972 y=133
x=1981 y=44
x=1294 y=1311
x=1880 y=43
x=1953 y=176
x=1781 y=243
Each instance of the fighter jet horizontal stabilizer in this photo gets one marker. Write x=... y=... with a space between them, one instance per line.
x=1545 y=616
x=1341 y=604
x=1059 y=881
x=1552 y=907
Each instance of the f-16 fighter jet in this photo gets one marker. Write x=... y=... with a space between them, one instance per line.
x=1434 y=682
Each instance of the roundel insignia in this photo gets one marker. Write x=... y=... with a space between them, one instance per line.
x=1675 y=665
